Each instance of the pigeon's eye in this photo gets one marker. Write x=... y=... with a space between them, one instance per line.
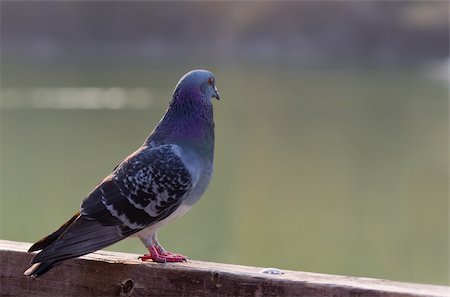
x=210 y=81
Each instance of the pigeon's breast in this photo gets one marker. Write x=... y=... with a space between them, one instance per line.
x=201 y=170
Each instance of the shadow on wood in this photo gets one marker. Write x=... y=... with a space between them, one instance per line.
x=119 y=274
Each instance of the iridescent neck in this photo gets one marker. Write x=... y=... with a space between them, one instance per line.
x=188 y=121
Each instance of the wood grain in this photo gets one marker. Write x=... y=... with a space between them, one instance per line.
x=119 y=274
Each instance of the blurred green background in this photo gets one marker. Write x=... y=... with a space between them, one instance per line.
x=331 y=138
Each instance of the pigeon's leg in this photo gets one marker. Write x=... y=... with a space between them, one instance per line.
x=158 y=253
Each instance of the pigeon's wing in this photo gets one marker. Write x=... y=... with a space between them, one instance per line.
x=145 y=188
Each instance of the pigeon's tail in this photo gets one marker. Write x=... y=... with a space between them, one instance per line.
x=79 y=236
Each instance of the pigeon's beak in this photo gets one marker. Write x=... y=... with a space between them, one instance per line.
x=216 y=94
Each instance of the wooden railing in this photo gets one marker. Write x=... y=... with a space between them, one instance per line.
x=118 y=274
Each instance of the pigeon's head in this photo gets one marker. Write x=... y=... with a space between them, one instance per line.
x=198 y=82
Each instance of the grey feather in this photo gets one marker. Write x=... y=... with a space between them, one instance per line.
x=145 y=188
x=82 y=237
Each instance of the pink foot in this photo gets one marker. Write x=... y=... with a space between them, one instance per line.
x=157 y=254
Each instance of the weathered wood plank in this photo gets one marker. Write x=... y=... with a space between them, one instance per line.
x=119 y=274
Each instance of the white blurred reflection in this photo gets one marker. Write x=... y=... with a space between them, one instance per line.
x=77 y=98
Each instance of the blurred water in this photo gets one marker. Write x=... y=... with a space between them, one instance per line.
x=332 y=171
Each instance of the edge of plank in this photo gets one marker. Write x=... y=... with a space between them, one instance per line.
x=318 y=279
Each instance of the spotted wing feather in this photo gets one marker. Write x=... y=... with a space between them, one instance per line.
x=145 y=188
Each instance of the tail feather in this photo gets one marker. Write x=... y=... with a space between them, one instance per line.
x=39 y=269
x=77 y=237
x=81 y=237
x=46 y=241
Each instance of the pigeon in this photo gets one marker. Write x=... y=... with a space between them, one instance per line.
x=156 y=184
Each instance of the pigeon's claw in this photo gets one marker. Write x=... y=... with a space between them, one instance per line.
x=157 y=254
